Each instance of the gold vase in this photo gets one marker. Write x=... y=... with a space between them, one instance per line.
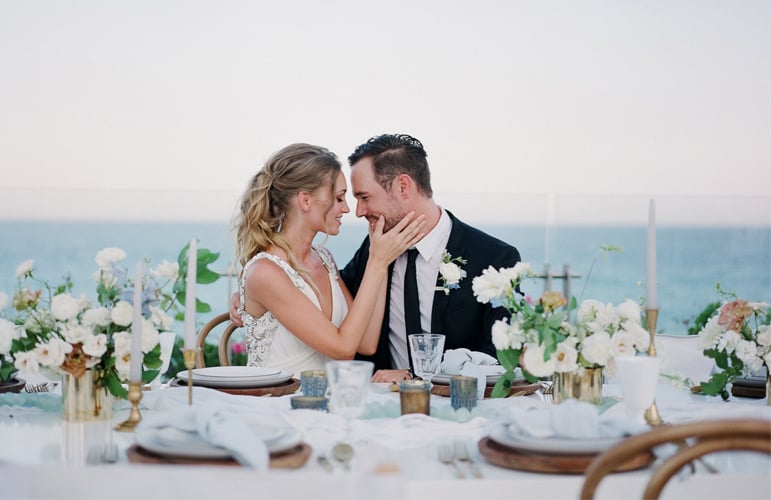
x=83 y=400
x=583 y=385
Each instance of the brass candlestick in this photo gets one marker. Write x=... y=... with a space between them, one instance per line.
x=134 y=396
x=189 y=355
x=652 y=415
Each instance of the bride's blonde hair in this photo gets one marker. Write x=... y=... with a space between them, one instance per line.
x=295 y=168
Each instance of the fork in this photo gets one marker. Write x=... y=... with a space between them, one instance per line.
x=462 y=454
x=42 y=387
x=447 y=456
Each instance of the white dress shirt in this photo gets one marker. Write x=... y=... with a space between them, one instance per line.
x=430 y=250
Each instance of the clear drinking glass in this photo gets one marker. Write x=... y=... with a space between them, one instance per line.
x=426 y=350
x=348 y=385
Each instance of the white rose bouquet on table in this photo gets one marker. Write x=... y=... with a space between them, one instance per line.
x=738 y=338
x=53 y=329
x=540 y=338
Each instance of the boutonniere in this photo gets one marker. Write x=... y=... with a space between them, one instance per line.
x=450 y=272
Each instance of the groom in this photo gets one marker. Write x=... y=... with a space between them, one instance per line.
x=390 y=177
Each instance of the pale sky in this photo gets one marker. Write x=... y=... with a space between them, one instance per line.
x=162 y=108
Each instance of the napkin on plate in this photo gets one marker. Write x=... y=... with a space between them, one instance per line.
x=472 y=364
x=218 y=425
x=572 y=419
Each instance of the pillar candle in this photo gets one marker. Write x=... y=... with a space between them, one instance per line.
x=135 y=365
x=192 y=263
x=650 y=280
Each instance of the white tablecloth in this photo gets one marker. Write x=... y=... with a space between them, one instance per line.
x=42 y=457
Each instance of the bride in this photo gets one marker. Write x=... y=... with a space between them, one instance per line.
x=296 y=310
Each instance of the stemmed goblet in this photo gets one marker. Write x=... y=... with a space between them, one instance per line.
x=426 y=350
x=348 y=386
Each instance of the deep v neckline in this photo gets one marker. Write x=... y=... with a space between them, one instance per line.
x=317 y=292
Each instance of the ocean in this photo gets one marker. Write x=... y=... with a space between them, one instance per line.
x=691 y=260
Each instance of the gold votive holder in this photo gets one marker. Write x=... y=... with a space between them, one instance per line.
x=414 y=396
x=309 y=403
x=463 y=392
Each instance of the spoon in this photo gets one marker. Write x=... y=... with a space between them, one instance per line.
x=343 y=453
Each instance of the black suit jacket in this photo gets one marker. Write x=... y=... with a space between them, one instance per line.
x=464 y=321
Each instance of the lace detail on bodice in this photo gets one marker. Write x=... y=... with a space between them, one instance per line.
x=261 y=332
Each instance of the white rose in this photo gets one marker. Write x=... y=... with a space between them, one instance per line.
x=25 y=268
x=533 y=362
x=451 y=272
x=490 y=286
x=160 y=319
x=520 y=271
x=26 y=362
x=597 y=348
x=727 y=342
x=746 y=351
x=107 y=257
x=565 y=358
x=640 y=337
x=3 y=300
x=516 y=335
x=95 y=345
x=167 y=270
x=500 y=334
x=629 y=311
x=7 y=335
x=75 y=334
x=64 y=307
x=764 y=335
x=623 y=344
x=122 y=313
x=53 y=352
x=122 y=364
x=122 y=342
x=96 y=316
x=587 y=311
x=709 y=334
x=606 y=317
x=150 y=336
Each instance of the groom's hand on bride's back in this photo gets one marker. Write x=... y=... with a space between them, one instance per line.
x=235 y=318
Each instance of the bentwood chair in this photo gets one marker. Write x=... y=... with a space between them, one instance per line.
x=703 y=438
x=222 y=349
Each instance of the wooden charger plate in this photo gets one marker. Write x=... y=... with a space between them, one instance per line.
x=288 y=387
x=289 y=459
x=523 y=388
x=510 y=458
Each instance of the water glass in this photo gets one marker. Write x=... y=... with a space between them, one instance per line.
x=348 y=385
x=637 y=376
x=426 y=350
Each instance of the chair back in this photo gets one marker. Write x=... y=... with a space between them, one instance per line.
x=706 y=437
x=222 y=347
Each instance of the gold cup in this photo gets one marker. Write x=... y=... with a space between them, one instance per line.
x=414 y=396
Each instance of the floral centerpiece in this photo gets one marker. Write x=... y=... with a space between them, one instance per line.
x=540 y=337
x=51 y=329
x=738 y=338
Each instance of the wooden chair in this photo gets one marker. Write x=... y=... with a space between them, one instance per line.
x=222 y=349
x=709 y=437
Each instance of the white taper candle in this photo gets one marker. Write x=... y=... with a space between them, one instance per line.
x=651 y=301
x=135 y=365
x=192 y=263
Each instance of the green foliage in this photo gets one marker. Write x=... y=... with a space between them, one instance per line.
x=702 y=318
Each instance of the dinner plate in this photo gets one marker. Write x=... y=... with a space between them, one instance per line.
x=556 y=445
x=173 y=442
x=231 y=372
x=247 y=382
x=444 y=378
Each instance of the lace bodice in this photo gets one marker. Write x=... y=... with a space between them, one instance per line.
x=268 y=342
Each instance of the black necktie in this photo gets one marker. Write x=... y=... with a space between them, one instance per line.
x=411 y=302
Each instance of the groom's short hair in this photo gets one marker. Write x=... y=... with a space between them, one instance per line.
x=393 y=155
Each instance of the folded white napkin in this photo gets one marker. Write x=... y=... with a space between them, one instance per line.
x=216 y=424
x=572 y=419
x=472 y=364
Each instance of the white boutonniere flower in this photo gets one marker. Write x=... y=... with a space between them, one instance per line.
x=450 y=272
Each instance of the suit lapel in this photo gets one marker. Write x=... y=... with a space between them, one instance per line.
x=443 y=300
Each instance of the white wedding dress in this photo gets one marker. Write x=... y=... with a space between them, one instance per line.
x=268 y=342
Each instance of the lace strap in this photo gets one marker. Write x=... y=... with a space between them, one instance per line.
x=293 y=275
x=328 y=261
